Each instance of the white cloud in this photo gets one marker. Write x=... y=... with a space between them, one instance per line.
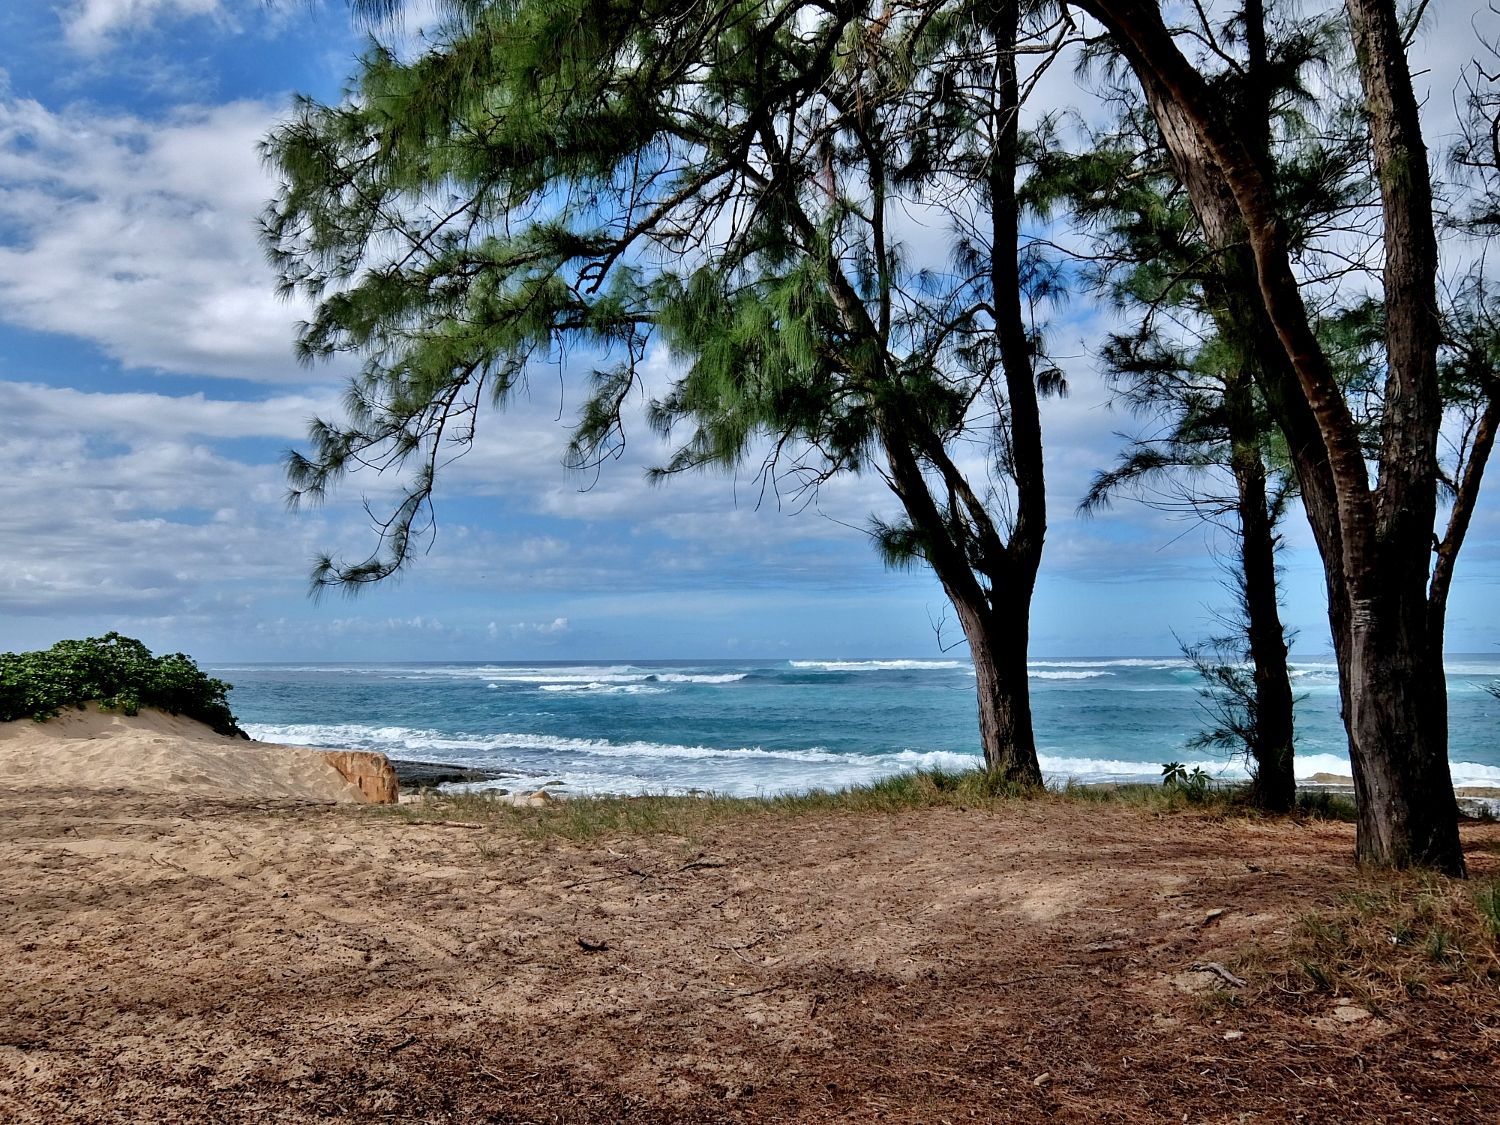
x=532 y=628
x=33 y=406
x=91 y=26
x=149 y=527
x=139 y=236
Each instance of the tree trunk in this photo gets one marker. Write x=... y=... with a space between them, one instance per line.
x=988 y=580
x=1274 y=785
x=995 y=615
x=1005 y=731
x=1395 y=695
x=1375 y=543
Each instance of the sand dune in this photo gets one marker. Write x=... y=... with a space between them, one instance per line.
x=154 y=752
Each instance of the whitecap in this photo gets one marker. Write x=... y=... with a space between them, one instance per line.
x=1159 y=664
x=877 y=665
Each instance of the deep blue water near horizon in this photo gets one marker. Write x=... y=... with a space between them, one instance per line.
x=772 y=726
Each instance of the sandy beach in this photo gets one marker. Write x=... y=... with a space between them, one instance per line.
x=156 y=753
x=178 y=957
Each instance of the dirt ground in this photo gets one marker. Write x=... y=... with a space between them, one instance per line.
x=173 y=960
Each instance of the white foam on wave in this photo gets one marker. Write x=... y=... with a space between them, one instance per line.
x=876 y=665
x=348 y=736
x=1472 y=773
x=1157 y=663
x=1035 y=674
x=531 y=674
x=548 y=678
x=1485 y=672
x=596 y=688
x=581 y=677
x=653 y=767
x=401 y=740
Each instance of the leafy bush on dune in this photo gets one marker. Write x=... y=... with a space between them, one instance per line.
x=120 y=673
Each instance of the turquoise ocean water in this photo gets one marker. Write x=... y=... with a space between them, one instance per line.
x=762 y=727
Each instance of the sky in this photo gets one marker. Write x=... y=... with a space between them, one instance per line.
x=148 y=393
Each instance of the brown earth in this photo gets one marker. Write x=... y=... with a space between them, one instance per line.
x=185 y=960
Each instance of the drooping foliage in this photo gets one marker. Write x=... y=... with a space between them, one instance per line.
x=725 y=179
x=729 y=182
x=117 y=672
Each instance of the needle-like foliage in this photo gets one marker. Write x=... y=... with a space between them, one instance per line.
x=813 y=207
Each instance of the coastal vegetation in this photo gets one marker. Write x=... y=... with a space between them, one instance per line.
x=731 y=182
x=1386 y=596
x=116 y=672
x=588 y=817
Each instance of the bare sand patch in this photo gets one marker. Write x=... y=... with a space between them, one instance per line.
x=171 y=959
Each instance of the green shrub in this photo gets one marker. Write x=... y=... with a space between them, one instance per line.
x=120 y=673
x=1194 y=786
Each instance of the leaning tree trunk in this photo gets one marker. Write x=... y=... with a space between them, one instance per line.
x=1375 y=543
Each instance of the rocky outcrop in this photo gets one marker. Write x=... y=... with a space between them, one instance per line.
x=429 y=775
x=368 y=772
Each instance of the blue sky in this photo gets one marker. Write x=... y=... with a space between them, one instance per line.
x=148 y=391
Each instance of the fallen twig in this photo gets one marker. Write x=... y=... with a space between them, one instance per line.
x=449 y=824
x=1219 y=971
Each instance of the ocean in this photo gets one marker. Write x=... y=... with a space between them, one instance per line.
x=761 y=727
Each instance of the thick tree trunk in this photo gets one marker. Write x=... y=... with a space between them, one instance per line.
x=1375 y=542
x=1005 y=732
x=1394 y=694
x=1397 y=698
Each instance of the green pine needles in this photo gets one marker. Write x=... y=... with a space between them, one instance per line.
x=120 y=673
x=815 y=213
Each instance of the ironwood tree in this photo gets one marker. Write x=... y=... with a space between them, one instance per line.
x=1185 y=366
x=724 y=180
x=1386 y=591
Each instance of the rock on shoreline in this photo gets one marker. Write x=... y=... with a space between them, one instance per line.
x=429 y=775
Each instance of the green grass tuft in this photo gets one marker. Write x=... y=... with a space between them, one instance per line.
x=1399 y=935
x=1487 y=902
x=1321 y=804
x=585 y=818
